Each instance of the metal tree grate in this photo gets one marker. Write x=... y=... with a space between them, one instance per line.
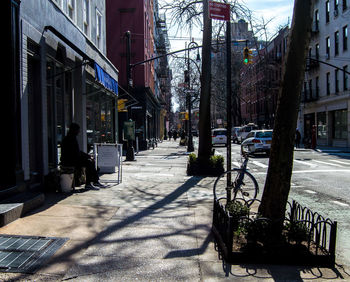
x=26 y=253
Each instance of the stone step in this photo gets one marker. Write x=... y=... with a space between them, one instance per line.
x=16 y=206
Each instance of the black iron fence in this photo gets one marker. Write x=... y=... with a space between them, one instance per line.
x=320 y=235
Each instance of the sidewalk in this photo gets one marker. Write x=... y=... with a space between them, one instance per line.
x=154 y=226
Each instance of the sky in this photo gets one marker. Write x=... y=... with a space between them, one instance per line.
x=280 y=11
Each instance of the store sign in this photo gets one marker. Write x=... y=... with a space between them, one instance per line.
x=219 y=11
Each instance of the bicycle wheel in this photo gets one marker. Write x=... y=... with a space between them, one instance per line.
x=243 y=185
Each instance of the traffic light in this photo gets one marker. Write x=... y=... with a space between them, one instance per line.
x=247 y=56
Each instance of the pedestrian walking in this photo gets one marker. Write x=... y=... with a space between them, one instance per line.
x=175 y=135
x=73 y=157
x=297 y=138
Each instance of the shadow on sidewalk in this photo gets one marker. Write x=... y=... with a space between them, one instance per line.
x=155 y=208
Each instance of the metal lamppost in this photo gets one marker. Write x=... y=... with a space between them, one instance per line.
x=192 y=44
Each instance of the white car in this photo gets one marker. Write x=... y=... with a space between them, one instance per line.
x=243 y=131
x=257 y=141
x=219 y=136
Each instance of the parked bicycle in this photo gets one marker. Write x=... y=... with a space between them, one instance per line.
x=240 y=184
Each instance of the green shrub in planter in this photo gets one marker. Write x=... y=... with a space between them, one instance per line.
x=298 y=232
x=215 y=167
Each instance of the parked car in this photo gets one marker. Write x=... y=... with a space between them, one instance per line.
x=219 y=136
x=243 y=132
x=257 y=141
x=234 y=134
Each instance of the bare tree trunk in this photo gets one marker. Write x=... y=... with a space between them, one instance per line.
x=277 y=185
x=204 y=149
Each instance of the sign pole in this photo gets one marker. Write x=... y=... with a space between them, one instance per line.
x=229 y=103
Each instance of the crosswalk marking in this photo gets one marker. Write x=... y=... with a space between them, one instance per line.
x=321 y=162
x=237 y=164
x=305 y=163
x=340 y=162
x=259 y=164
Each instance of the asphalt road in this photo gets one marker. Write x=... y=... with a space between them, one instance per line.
x=320 y=181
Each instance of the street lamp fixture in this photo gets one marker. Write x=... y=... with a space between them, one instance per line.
x=190 y=147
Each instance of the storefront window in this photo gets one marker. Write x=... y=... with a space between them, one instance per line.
x=59 y=107
x=321 y=125
x=99 y=117
x=340 y=124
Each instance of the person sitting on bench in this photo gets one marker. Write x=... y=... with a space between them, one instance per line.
x=72 y=156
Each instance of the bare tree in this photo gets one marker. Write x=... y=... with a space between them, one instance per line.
x=277 y=185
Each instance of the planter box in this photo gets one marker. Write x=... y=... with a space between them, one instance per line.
x=318 y=250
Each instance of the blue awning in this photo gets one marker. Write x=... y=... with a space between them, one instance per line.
x=105 y=79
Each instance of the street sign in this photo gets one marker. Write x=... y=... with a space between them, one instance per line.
x=219 y=11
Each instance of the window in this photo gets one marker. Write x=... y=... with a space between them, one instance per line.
x=340 y=124
x=322 y=125
x=86 y=14
x=336 y=80
x=336 y=5
x=58 y=2
x=98 y=29
x=310 y=88
x=71 y=9
x=345 y=38
x=336 y=43
x=345 y=6
x=317 y=20
x=317 y=48
x=345 y=78
x=328 y=47
x=328 y=83
x=327 y=11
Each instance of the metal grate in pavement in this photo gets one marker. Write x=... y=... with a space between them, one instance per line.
x=26 y=253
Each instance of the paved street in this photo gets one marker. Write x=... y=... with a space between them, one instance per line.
x=154 y=226
x=320 y=181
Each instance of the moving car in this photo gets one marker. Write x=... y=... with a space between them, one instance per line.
x=234 y=134
x=257 y=141
x=219 y=136
x=243 y=132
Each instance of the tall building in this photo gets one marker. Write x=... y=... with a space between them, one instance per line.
x=140 y=19
x=326 y=93
x=59 y=74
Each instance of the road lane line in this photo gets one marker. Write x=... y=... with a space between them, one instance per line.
x=321 y=162
x=340 y=203
x=310 y=191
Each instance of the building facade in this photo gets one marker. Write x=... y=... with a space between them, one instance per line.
x=60 y=74
x=145 y=82
x=326 y=94
x=261 y=81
